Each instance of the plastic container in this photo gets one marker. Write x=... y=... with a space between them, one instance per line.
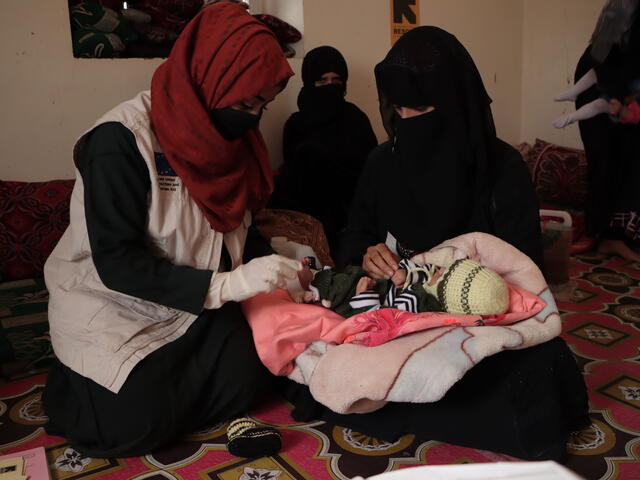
x=557 y=234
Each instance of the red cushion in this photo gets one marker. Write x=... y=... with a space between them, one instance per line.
x=559 y=175
x=524 y=148
x=297 y=227
x=284 y=32
x=33 y=217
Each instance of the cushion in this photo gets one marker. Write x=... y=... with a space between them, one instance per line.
x=284 y=32
x=559 y=175
x=33 y=217
x=25 y=345
x=524 y=148
x=297 y=227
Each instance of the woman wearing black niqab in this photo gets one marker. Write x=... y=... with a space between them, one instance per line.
x=325 y=145
x=444 y=173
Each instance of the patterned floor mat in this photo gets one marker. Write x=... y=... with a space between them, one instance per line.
x=601 y=315
x=601 y=323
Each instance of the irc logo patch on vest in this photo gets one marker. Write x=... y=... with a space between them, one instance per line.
x=168 y=179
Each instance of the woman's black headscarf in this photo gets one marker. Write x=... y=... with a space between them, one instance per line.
x=439 y=176
x=323 y=60
x=321 y=105
x=326 y=142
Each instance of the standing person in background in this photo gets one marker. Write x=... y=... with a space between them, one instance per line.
x=145 y=283
x=324 y=145
x=612 y=148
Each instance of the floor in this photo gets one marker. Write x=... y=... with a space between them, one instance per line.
x=601 y=315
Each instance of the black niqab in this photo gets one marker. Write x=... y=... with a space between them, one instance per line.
x=439 y=176
x=323 y=60
x=325 y=144
x=323 y=104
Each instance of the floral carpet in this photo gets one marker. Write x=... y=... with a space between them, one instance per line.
x=601 y=314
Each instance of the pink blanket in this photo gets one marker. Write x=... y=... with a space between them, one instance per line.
x=283 y=329
x=380 y=326
x=413 y=367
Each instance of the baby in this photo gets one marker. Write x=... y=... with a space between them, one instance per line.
x=465 y=287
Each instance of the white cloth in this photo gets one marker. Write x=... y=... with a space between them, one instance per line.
x=482 y=471
x=98 y=332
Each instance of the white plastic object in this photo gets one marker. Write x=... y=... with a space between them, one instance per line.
x=566 y=224
x=556 y=238
x=290 y=249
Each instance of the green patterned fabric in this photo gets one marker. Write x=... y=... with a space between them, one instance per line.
x=25 y=345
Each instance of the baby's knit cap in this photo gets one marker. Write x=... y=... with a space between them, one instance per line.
x=469 y=288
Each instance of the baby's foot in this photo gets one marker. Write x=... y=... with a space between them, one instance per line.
x=563 y=121
x=567 y=96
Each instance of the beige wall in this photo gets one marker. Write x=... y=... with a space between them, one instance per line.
x=492 y=32
x=50 y=98
x=361 y=33
x=555 y=34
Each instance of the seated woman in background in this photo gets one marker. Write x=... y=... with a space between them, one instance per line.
x=444 y=173
x=324 y=146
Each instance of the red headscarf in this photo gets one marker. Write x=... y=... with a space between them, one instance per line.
x=222 y=57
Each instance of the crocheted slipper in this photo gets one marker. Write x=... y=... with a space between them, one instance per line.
x=248 y=439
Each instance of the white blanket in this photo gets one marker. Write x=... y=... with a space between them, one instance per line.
x=422 y=366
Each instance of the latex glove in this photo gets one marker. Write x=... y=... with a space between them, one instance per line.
x=260 y=275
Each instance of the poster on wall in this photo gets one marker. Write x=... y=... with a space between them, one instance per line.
x=405 y=15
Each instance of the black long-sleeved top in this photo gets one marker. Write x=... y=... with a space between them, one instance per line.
x=116 y=188
x=513 y=209
x=322 y=163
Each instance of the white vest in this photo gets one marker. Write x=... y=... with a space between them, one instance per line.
x=100 y=333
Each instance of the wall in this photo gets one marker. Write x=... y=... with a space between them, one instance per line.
x=555 y=34
x=50 y=98
x=492 y=32
x=362 y=34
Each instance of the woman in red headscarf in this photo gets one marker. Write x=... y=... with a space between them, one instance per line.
x=145 y=283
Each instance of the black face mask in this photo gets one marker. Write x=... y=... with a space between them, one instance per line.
x=425 y=170
x=333 y=92
x=322 y=104
x=417 y=138
x=232 y=123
